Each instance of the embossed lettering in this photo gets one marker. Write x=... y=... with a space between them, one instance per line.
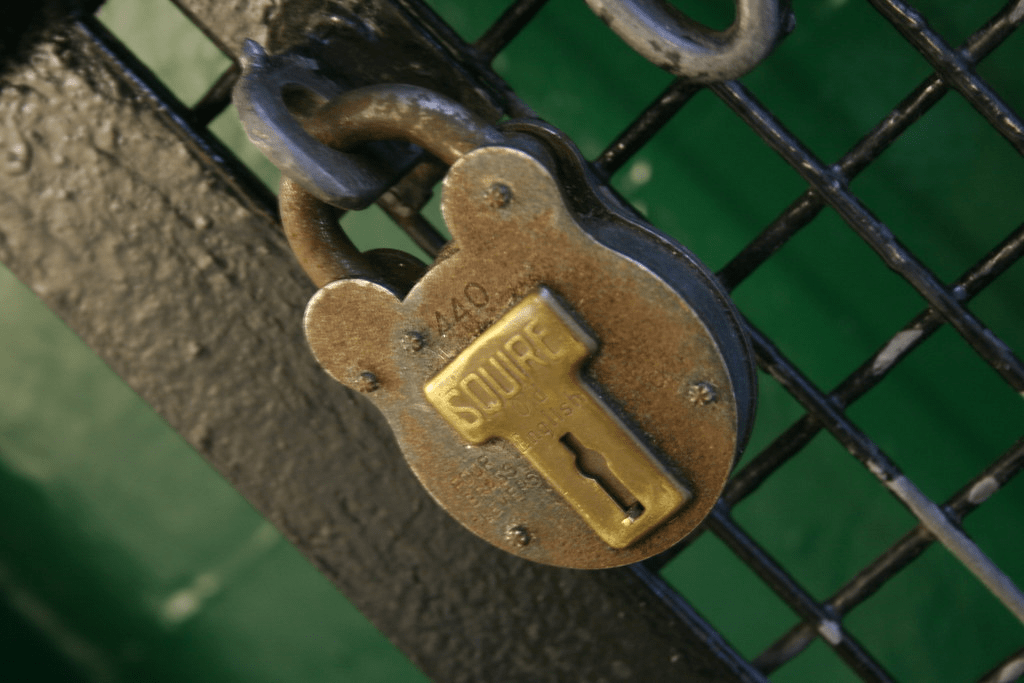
x=500 y=355
x=513 y=386
x=521 y=379
x=459 y=311
x=537 y=335
x=470 y=416
x=553 y=415
x=521 y=405
x=484 y=397
x=442 y=323
x=476 y=295
x=522 y=352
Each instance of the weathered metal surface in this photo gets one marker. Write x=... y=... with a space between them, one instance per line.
x=189 y=294
x=356 y=326
x=343 y=179
x=512 y=233
x=22 y=28
x=364 y=43
x=671 y=40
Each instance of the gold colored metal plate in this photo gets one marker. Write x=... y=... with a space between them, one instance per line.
x=520 y=381
x=664 y=357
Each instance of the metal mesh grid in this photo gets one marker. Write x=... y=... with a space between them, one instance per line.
x=828 y=186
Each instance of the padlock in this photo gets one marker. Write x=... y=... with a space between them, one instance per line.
x=568 y=384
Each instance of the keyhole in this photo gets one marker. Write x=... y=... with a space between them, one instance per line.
x=593 y=465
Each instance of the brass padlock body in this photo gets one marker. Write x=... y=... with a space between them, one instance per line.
x=681 y=385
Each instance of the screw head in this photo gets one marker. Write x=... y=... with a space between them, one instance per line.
x=518 y=535
x=367 y=382
x=702 y=393
x=413 y=341
x=499 y=195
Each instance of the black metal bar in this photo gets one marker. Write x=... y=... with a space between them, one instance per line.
x=217 y=98
x=810 y=204
x=831 y=184
x=403 y=203
x=507 y=27
x=179 y=118
x=871 y=372
x=954 y=70
x=896 y=558
x=871 y=456
x=803 y=210
x=1009 y=670
x=447 y=40
x=699 y=629
x=965 y=501
x=848 y=649
x=210 y=30
x=978 y=46
x=415 y=225
x=644 y=127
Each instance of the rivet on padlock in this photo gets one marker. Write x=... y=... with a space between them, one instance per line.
x=573 y=390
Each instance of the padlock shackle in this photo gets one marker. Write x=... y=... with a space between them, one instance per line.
x=423 y=117
x=668 y=38
x=342 y=179
x=436 y=123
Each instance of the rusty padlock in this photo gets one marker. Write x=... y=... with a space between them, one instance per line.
x=568 y=384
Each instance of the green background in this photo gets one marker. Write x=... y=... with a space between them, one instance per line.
x=123 y=557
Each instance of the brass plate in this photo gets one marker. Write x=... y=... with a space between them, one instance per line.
x=520 y=381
